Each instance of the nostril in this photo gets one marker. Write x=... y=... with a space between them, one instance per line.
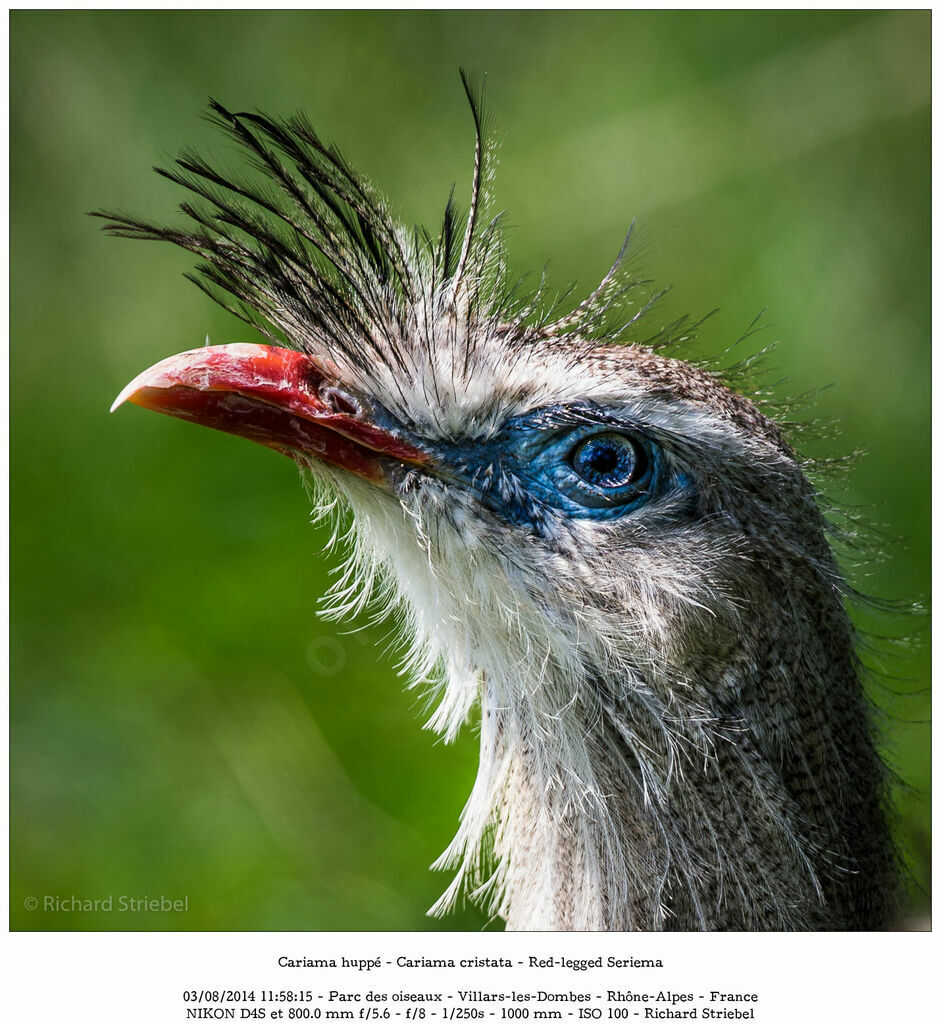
x=339 y=401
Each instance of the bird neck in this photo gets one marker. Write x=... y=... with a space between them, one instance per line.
x=675 y=799
x=658 y=749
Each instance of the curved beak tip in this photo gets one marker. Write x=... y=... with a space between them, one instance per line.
x=123 y=396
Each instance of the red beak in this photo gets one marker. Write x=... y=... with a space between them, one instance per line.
x=277 y=397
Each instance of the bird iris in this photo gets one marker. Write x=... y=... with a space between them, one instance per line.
x=601 y=472
x=608 y=460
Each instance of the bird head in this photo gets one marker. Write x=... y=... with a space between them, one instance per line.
x=609 y=550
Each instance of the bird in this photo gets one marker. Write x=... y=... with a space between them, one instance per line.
x=605 y=556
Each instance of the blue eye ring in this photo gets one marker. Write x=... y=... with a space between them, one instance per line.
x=572 y=459
x=609 y=460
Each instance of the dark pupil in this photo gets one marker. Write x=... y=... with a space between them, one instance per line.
x=603 y=458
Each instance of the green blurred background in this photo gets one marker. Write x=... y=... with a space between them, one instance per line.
x=182 y=723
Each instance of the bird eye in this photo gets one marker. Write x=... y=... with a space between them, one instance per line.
x=608 y=460
x=566 y=459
